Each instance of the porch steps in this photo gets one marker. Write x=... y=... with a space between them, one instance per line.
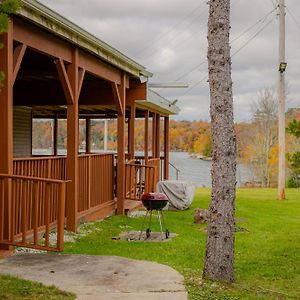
x=131 y=205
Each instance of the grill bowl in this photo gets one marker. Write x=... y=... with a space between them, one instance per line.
x=154 y=200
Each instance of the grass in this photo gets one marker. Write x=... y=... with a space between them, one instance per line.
x=267 y=255
x=12 y=288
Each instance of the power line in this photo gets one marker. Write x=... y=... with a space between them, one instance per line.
x=253 y=37
x=262 y=20
x=292 y=16
x=172 y=28
x=242 y=47
x=190 y=71
x=157 y=47
x=273 y=3
x=195 y=85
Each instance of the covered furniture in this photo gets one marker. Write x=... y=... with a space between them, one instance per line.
x=179 y=193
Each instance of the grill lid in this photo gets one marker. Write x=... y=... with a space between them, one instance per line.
x=154 y=197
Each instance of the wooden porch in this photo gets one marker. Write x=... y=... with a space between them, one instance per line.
x=69 y=74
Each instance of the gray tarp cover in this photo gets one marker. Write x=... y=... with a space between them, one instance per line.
x=180 y=193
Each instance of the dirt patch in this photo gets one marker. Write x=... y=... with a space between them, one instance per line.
x=135 y=236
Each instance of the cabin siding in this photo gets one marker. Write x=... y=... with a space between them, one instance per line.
x=22 y=131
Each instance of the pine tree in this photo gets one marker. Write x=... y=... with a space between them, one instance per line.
x=219 y=259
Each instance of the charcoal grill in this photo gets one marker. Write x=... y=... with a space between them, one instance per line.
x=154 y=201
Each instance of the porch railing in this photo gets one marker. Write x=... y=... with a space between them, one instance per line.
x=155 y=162
x=161 y=175
x=139 y=179
x=96 y=176
x=53 y=167
x=29 y=208
x=96 y=180
x=158 y=162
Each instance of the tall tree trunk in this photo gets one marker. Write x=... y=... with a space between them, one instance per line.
x=219 y=257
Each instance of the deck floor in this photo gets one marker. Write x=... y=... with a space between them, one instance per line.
x=131 y=205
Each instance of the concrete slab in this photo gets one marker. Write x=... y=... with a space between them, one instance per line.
x=99 y=277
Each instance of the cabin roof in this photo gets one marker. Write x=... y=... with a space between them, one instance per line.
x=158 y=103
x=50 y=20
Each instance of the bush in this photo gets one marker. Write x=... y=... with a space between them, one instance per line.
x=293 y=182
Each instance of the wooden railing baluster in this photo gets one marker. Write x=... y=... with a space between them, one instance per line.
x=35 y=212
x=32 y=219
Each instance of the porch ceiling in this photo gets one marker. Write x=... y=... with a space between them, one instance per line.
x=93 y=111
x=97 y=111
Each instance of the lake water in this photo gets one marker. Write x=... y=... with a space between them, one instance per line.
x=191 y=169
x=199 y=171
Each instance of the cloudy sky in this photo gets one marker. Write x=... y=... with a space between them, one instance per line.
x=168 y=37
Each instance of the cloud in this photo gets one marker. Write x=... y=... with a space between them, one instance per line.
x=169 y=38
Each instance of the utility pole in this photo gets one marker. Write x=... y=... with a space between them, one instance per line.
x=281 y=101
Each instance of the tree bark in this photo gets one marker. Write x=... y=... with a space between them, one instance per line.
x=219 y=259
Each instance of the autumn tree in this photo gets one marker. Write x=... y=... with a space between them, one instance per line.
x=263 y=140
x=294 y=158
x=219 y=258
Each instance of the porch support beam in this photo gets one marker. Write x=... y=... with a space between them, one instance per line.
x=98 y=68
x=6 y=123
x=146 y=137
x=166 y=147
x=131 y=146
x=65 y=81
x=18 y=57
x=55 y=131
x=87 y=135
x=117 y=97
x=81 y=74
x=43 y=42
x=121 y=145
x=72 y=76
x=153 y=135
x=157 y=136
x=34 y=38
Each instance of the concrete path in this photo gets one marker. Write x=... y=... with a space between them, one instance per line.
x=99 y=277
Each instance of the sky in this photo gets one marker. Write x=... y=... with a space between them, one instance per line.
x=169 y=38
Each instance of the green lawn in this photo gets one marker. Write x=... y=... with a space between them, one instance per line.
x=267 y=253
x=267 y=256
x=12 y=288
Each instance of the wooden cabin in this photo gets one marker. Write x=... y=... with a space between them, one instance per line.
x=54 y=69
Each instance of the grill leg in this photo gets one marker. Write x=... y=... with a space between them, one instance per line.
x=159 y=221
x=141 y=232
x=163 y=220
x=164 y=225
x=148 y=232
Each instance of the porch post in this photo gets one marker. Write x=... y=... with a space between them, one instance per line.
x=72 y=146
x=157 y=136
x=121 y=147
x=6 y=102
x=55 y=129
x=146 y=137
x=166 y=147
x=153 y=135
x=71 y=79
x=131 y=146
x=105 y=135
x=6 y=122
x=87 y=135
